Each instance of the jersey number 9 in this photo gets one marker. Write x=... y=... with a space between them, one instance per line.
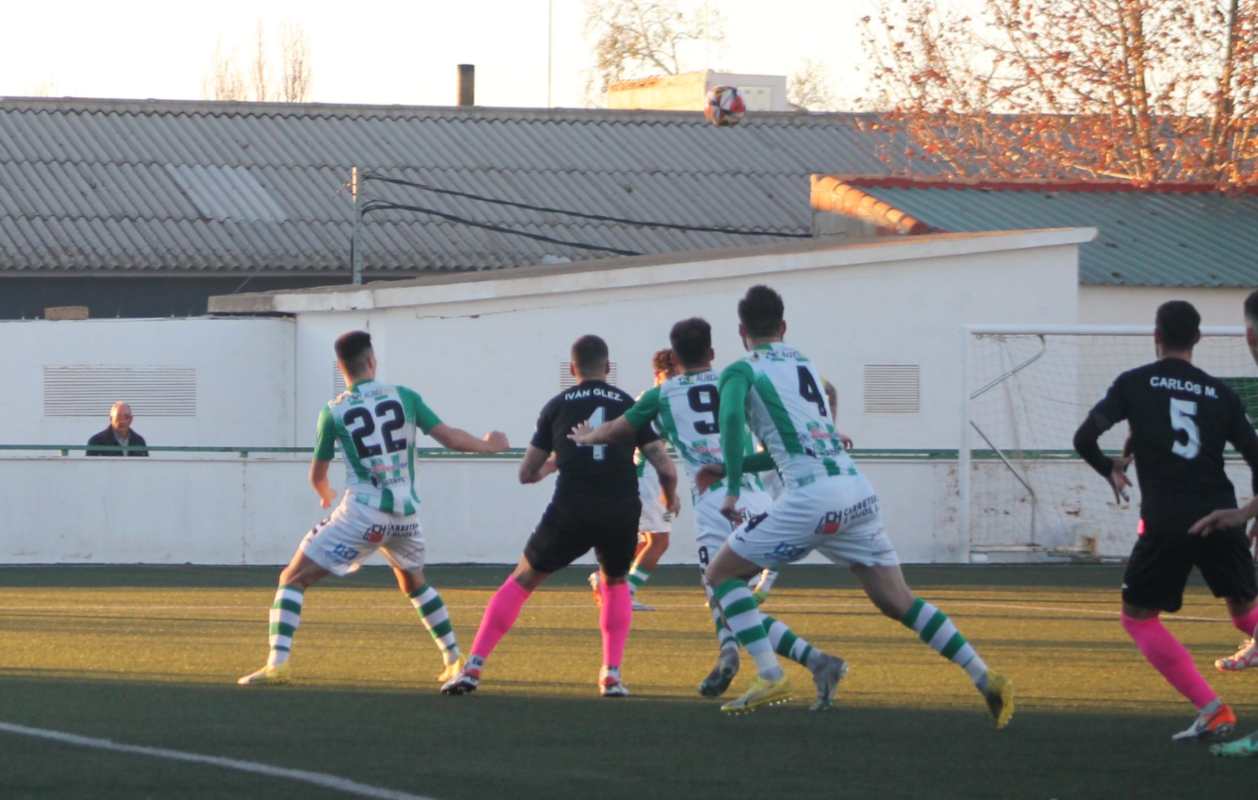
x=704 y=399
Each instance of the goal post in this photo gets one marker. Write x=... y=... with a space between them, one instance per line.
x=1024 y=493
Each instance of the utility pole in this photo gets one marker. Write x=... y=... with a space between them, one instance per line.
x=550 y=50
x=355 y=253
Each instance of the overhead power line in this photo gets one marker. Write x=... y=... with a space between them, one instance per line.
x=480 y=198
x=385 y=205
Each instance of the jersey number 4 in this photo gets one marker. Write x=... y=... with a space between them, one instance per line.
x=1183 y=418
x=365 y=425
x=596 y=419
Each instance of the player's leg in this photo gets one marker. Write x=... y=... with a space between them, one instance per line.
x=283 y=619
x=1154 y=582
x=552 y=546
x=434 y=615
x=405 y=551
x=500 y=616
x=886 y=587
x=727 y=661
x=614 y=547
x=1227 y=565
x=654 y=545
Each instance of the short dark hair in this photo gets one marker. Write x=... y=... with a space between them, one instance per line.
x=352 y=350
x=663 y=361
x=761 y=311
x=1251 y=308
x=692 y=341
x=1178 y=324
x=589 y=355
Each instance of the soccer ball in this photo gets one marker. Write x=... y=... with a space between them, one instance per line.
x=725 y=106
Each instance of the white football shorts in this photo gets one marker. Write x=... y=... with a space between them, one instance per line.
x=711 y=529
x=655 y=517
x=344 y=540
x=838 y=517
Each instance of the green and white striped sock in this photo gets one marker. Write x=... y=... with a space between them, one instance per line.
x=724 y=636
x=637 y=578
x=935 y=629
x=786 y=643
x=432 y=612
x=744 y=619
x=285 y=616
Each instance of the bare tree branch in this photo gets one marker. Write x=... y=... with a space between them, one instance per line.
x=637 y=38
x=1129 y=90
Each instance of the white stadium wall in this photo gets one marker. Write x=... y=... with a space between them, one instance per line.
x=1136 y=305
x=192 y=382
x=175 y=509
x=486 y=354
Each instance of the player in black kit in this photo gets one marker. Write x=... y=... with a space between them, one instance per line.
x=1181 y=418
x=595 y=506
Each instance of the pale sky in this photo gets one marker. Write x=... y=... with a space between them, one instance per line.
x=383 y=51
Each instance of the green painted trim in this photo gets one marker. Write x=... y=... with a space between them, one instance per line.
x=438 y=453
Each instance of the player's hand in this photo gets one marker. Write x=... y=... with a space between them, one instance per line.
x=731 y=511
x=580 y=432
x=1118 y=480
x=707 y=475
x=326 y=496
x=497 y=441
x=548 y=466
x=673 y=504
x=845 y=440
x=1220 y=520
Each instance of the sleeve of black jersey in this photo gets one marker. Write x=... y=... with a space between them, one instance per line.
x=1244 y=439
x=543 y=436
x=1104 y=415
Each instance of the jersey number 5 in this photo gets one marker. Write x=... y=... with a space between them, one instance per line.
x=1183 y=418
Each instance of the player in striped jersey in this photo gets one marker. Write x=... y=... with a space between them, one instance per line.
x=828 y=506
x=685 y=410
x=375 y=424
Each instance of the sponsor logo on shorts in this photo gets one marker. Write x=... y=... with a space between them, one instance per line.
x=789 y=552
x=756 y=520
x=344 y=552
x=829 y=524
x=377 y=533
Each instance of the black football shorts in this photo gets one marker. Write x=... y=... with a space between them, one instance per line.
x=569 y=530
x=1164 y=556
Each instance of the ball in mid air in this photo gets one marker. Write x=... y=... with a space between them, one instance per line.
x=725 y=106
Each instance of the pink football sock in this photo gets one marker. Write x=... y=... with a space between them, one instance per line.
x=613 y=620
x=1170 y=658
x=501 y=613
x=1246 y=623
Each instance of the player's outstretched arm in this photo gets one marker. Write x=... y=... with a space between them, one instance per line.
x=1245 y=441
x=319 y=481
x=616 y=431
x=458 y=439
x=656 y=453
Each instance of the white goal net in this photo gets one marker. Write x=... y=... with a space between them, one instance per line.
x=1025 y=494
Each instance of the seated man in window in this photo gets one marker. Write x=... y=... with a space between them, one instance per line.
x=119 y=439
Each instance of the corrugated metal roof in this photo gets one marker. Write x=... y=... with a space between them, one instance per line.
x=128 y=186
x=1147 y=238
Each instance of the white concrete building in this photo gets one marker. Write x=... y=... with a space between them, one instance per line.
x=485 y=351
